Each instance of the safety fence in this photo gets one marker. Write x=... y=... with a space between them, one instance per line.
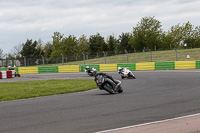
x=111 y=67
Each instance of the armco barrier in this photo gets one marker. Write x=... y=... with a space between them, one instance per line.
x=131 y=66
x=94 y=66
x=2 y=69
x=48 y=69
x=145 y=66
x=164 y=65
x=108 y=67
x=71 y=68
x=185 y=65
x=27 y=70
x=197 y=64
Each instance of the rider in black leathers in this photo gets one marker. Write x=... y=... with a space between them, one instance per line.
x=109 y=78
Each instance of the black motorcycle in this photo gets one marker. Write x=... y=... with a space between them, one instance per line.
x=105 y=84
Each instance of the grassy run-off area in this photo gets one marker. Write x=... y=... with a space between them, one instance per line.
x=29 y=89
x=157 y=56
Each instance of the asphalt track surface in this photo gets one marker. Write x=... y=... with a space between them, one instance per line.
x=152 y=96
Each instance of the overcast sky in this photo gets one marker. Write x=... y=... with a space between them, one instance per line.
x=25 y=19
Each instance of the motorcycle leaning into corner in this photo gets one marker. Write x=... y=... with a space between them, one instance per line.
x=16 y=73
x=107 y=83
x=126 y=73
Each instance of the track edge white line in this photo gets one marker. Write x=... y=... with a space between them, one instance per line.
x=177 y=118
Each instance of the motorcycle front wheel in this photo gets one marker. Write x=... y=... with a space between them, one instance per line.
x=131 y=75
x=120 y=90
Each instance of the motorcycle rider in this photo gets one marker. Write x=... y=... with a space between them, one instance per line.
x=123 y=73
x=10 y=68
x=110 y=79
x=90 y=70
x=120 y=70
x=87 y=68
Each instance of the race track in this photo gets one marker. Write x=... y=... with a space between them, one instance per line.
x=152 y=96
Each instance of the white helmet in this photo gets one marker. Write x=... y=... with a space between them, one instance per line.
x=119 y=68
x=9 y=67
x=87 y=67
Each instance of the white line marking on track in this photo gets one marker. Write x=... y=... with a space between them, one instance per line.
x=147 y=123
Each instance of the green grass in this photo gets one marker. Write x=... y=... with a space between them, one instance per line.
x=157 y=56
x=29 y=89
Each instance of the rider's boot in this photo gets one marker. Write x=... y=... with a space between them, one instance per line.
x=116 y=86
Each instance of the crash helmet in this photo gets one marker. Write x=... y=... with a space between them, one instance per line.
x=87 y=67
x=94 y=73
x=9 y=67
x=119 y=68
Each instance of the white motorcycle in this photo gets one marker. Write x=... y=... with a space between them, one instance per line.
x=126 y=73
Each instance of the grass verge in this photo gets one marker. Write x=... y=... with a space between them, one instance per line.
x=29 y=89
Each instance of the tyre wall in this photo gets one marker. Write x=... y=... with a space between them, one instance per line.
x=7 y=74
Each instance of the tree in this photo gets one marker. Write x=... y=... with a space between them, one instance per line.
x=57 y=38
x=70 y=46
x=40 y=47
x=31 y=52
x=57 y=44
x=30 y=49
x=97 y=44
x=182 y=34
x=123 y=42
x=147 y=34
x=196 y=35
x=189 y=34
x=48 y=49
x=167 y=41
x=177 y=36
x=83 y=44
x=10 y=56
x=111 y=42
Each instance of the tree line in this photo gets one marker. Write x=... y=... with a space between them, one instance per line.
x=148 y=34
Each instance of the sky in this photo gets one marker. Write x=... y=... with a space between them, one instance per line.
x=39 y=19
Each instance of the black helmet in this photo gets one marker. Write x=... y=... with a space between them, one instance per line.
x=94 y=73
